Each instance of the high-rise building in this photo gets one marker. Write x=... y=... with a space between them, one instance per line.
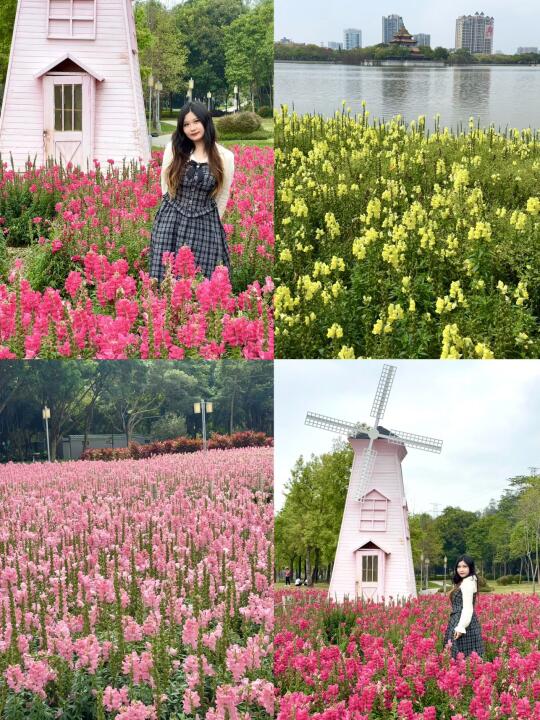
x=525 y=50
x=333 y=45
x=352 y=38
x=390 y=26
x=475 y=33
x=423 y=39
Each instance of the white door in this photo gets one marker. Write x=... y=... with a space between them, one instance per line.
x=369 y=574
x=67 y=103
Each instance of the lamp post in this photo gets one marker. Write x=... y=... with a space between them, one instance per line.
x=236 y=102
x=191 y=85
x=421 y=570
x=427 y=573
x=445 y=565
x=209 y=98
x=46 y=413
x=150 y=87
x=201 y=408
x=159 y=88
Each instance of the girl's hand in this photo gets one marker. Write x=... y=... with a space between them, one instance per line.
x=457 y=635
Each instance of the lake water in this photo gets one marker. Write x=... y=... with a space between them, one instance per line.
x=500 y=95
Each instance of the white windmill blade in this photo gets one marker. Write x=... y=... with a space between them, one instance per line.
x=422 y=442
x=383 y=391
x=366 y=470
x=342 y=427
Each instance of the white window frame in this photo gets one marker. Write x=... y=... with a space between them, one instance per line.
x=71 y=18
x=370 y=568
x=374 y=513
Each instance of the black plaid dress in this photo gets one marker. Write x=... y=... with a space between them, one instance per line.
x=472 y=640
x=192 y=219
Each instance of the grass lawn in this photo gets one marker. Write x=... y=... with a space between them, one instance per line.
x=524 y=587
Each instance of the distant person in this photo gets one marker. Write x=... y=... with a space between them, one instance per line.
x=298 y=582
x=463 y=629
x=287 y=576
x=196 y=178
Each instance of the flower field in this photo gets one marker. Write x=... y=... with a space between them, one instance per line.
x=365 y=662
x=81 y=289
x=396 y=242
x=137 y=590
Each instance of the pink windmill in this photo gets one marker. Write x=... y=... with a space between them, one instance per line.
x=373 y=557
x=73 y=89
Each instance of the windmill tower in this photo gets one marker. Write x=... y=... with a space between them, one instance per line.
x=73 y=88
x=373 y=557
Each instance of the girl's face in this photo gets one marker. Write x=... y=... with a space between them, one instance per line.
x=193 y=127
x=463 y=569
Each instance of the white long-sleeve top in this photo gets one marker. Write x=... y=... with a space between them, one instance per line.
x=468 y=588
x=227 y=158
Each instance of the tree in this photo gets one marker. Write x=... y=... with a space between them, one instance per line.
x=528 y=513
x=425 y=539
x=131 y=397
x=461 y=57
x=452 y=525
x=204 y=22
x=308 y=525
x=249 y=51
x=440 y=53
x=162 y=46
x=8 y=8
x=65 y=388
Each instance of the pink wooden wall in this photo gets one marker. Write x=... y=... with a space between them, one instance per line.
x=397 y=566
x=118 y=124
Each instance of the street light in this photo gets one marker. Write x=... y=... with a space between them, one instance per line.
x=150 y=86
x=209 y=97
x=191 y=85
x=445 y=564
x=46 y=413
x=421 y=570
x=159 y=88
x=201 y=408
x=236 y=103
x=427 y=573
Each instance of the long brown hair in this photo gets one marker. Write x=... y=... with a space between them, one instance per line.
x=183 y=147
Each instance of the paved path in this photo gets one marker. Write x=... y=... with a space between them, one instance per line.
x=161 y=141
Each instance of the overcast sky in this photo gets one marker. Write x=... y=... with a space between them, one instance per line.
x=517 y=23
x=486 y=412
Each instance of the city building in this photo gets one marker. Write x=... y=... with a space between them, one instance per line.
x=390 y=26
x=352 y=38
x=335 y=45
x=285 y=41
x=525 y=50
x=475 y=33
x=423 y=39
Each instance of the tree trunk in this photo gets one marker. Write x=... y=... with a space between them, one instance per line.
x=231 y=416
x=308 y=567
x=316 y=567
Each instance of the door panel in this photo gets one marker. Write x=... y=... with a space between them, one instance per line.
x=67 y=118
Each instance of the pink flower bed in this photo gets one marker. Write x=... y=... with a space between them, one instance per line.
x=89 y=295
x=137 y=589
x=365 y=662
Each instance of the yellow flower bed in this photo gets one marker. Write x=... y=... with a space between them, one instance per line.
x=396 y=242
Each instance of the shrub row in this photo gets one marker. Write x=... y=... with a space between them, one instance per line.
x=135 y=451
x=509 y=579
x=242 y=122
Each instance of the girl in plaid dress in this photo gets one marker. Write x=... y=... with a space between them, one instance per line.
x=463 y=629
x=196 y=178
